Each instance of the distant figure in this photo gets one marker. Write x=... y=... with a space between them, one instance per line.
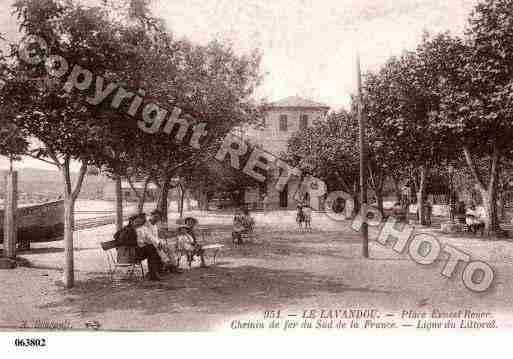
x=307 y=214
x=243 y=225
x=300 y=216
x=428 y=211
x=473 y=220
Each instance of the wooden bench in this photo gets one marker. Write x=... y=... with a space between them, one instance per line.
x=213 y=248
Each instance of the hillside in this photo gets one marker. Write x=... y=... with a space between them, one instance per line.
x=39 y=184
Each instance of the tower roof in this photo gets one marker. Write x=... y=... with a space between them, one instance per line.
x=297 y=102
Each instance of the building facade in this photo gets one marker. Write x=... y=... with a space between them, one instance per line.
x=109 y=191
x=282 y=119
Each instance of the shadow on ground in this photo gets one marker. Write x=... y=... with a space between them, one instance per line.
x=216 y=289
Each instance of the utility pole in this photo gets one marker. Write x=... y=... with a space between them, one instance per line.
x=119 y=203
x=363 y=163
x=10 y=228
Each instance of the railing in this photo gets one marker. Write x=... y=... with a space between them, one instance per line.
x=88 y=223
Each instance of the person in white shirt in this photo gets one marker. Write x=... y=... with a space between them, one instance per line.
x=146 y=247
x=165 y=250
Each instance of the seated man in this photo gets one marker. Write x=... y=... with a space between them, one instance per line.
x=165 y=251
x=473 y=220
x=127 y=236
x=147 y=247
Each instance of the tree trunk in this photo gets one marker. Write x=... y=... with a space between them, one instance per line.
x=356 y=201
x=397 y=190
x=69 y=270
x=376 y=181
x=379 y=198
x=491 y=220
x=70 y=197
x=488 y=193
x=141 y=197
x=119 y=204
x=188 y=200
x=180 y=203
x=202 y=200
x=162 y=203
x=140 y=204
x=421 y=194
x=501 y=207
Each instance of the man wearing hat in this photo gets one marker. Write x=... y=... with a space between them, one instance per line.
x=127 y=236
x=165 y=250
x=147 y=247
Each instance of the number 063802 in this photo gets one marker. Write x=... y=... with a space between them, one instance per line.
x=30 y=342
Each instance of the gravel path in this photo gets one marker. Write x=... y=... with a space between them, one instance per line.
x=283 y=269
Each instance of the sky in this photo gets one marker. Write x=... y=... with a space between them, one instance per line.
x=309 y=47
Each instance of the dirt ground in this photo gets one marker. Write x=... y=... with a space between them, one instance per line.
x=283 y=268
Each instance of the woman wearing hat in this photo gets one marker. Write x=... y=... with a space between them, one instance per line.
x=187 y=243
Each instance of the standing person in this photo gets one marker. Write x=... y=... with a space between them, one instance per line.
x=265 y=203
x=247 y=221
x=166 y=252
x=147 y=247
x=300 y=217
x=307 y=216
x=243 y=225
x=238 y=227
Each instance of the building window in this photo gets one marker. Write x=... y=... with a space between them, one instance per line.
x=283 y=123
x=303 y=122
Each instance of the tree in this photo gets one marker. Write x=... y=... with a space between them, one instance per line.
x=403 y=101
x=211 y=176
x=64 y=127
x=329 y=151
x=13 y=141
x=477 y=108
x=207 y=86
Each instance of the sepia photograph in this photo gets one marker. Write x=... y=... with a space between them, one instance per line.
x=251 y=166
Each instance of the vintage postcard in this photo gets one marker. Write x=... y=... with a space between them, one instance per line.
x=236 y=166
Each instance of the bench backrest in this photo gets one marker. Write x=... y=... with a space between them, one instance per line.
x=109 y=245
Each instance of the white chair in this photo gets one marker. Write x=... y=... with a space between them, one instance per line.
x=121 y=258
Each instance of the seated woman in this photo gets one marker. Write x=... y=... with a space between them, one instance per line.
x=473 y=220
x=187 y=242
